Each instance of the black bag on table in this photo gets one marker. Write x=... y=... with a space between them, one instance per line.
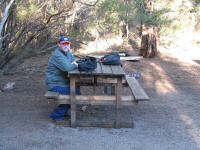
x=87 y=64
x=111 y=59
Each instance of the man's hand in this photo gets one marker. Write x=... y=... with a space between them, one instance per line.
x=75 y=63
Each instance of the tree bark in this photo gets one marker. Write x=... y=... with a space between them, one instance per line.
x=5 y=15
x=149 y=42
x=3 y=22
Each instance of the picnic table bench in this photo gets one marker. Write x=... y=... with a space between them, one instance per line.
x=102 y=75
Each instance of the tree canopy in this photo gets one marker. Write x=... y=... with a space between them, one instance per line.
x=32 y=27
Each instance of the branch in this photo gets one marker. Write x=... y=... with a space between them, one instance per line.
x=49 y=19
x=86 y=3
x=1 y=40
x=42 y=48
x=7 y=52
x=45 y=50
x=41 y=29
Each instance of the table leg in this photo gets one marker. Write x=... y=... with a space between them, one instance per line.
x=73 y=101
x=118 y=102
x=94 y=85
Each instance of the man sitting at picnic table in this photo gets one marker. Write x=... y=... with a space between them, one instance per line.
x=60 y=62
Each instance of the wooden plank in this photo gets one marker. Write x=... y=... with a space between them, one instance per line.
x=96 y=100
x=112 y=81
x=131 y=58
x=101 y=82
x=118 y=102
x=65 y=123
x=101 y=70
x=108 y=124
x=77 y=72
x=136 y=89
x=117 y=70
x=74 y=72
x=98 y=70
x=106 y=69
x=96 y=124
x=50 y=94
x=73 y=101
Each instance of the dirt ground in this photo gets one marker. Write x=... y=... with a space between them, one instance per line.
x=169 y=121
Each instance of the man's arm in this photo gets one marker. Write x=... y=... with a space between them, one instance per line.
x=63 y=63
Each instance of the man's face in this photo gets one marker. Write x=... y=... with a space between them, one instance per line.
x=64 y=46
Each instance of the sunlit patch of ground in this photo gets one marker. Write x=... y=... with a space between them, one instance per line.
x=187 y=56
x=186 y=53
x=101 y=45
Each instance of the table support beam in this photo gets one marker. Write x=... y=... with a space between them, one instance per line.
x=118 y=102
x=73 y=101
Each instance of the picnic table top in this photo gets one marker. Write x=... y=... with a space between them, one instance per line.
x=101 y=70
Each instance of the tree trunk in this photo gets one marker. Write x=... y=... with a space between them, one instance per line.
x=5 y=15
x=148 y=43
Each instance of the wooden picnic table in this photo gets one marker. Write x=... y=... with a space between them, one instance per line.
x=102 y=71
x=108 y=75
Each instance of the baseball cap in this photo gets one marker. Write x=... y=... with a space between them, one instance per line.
x=64 y=39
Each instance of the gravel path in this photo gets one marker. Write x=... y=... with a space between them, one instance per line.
x=169 y=121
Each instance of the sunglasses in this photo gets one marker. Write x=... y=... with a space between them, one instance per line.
x=64 y=43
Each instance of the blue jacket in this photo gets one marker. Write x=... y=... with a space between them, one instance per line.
x=59 y=65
